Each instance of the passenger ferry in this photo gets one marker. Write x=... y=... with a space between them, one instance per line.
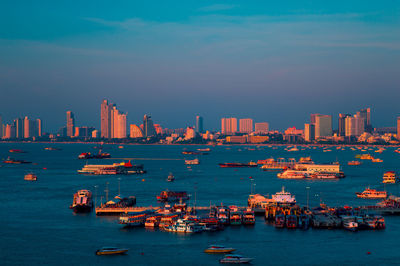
x=292 y=174
x=184 y=226
x=320 y=175
x=390 y=177
x=284 y=197
x=372 y=194
x=82 y=201
x=248 y=217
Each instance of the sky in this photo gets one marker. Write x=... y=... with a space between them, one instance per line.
x=273 y=61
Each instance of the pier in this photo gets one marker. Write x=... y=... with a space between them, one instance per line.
x=121 y=210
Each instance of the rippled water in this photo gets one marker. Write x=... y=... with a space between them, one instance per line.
x=37 y=227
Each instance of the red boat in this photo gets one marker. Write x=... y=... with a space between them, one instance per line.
x=82 y=201
x=17 y=151
x=250 y=164
x=172 y=196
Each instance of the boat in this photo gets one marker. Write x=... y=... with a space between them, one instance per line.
x=322 y=175
x=194 y=161
x=372 y=194
x=284 y=197
x=152 y=221
x=226 y=165
x=390 y=177
x=366 y=157
x=172 y=196
x=194 y=153
x=112 y=169
x=30 y=177
x=223 y=215
x=377 y=160
x=350 y=224
x=280 y=221
x=17 y=151
x=218 y=249
x=292 y=174
x=248 y=217
x=184 y=226
x=89 y=155
x=170 y=177
x=291 y=221
x=258 y=203
x=135 y=219
x=204 y=149
x=15 y=161
x=52 y=149
x=235 y=216
x=82 y=201
x=293 y=149
x=111 y=251
x=235 y=259
x=354 y=163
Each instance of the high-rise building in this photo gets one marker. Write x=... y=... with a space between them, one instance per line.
x=190 y=133
x=121 y=126
x=309 y=132
x=246 y=125
x=228 y=126
x=366 y=115
x=261 y=128
x=106 y=119
x=148 y=127
x=323 y=126
x=354 y=126
x=199 y=124
x=83 y=132
x=313 y=118
x=135 y=132
x=9 y=132
x=342 y=124
x=398 y=128
x=1 y=127
x=38 y=127
x=70 y=124
x=19 y=128
x=28 y=129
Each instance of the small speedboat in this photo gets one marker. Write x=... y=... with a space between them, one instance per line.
x=30 y=177
x=111 y=251
x=170 y=177
x=236 y=259
x=218 y=249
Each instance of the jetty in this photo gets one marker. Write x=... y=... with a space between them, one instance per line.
x=120 y=210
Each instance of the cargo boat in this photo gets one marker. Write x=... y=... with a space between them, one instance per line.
x=372 y=194
x=82 y=201
x=237 y=165
x=172 y=196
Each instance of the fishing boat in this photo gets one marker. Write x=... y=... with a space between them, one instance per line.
x=194 y=161
x=223 y=215
x=17 y=151
x=30 y=177
x=372 y=194
x=390 y=177
x=172 y=196
x=170 y=177
x=82 y=201
x=235 y=216
x=248 y=217
x=235 y=259
x=217 y=249
x=52 y=149
x=377 y=160
x=111 y=251
x=354 y=163
x=350 y=224
x=237 y=165
x=280 y=221
x=291 y=221
x=15 y=161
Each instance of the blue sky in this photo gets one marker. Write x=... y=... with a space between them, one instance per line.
x=274 y=61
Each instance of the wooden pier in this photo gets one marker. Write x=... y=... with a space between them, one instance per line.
x=118 y=211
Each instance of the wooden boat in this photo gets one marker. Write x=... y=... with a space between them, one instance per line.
x=218 y=249
x=30 y=177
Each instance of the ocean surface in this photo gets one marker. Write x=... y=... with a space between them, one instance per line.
x=38 y=228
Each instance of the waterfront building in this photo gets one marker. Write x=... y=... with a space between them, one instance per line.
x=342 y=124
x=19 y=128
x=70 y=124
x=199 y=124
x=106 y=119
x=257 y=139
x=95 y=134
x=228 y=126
x=313 y=118
x=309 y=132
x=148 y=127
x=9 y=132
x=354 y=126
x=261 y=128
x=39 y=127
x=29 y=128
x=236 y=139
x=190 y=133
x=1 y=127
x=398 y=127
x=135 y=132
x=83 y=132
x=323 y=125
x=158 y=129
x=293 y=131
x=246 y=125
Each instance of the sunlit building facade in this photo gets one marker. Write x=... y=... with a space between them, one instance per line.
x=261 y=128
x=228 y=126
x=246 y=125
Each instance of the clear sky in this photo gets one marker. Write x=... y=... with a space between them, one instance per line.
x=274 y=61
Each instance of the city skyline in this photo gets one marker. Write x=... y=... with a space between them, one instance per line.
x=243 y=59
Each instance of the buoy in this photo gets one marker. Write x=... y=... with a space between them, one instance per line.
x=143 y=180
x=368 y=253
x=44 y=168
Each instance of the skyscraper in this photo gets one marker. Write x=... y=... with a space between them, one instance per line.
x=313 y=118
x=309 y=132
x=323 y=126
x=366 y=115
x=19 y=128
x=228 y=126
x=246 y=125
x=1 y=127
x=199 y=124
x=354 y=126
x=70 y=124
x=135 y=132
x=342 y=124
x=105 y=119
x=148 y=127
x=38 y=127
x=262 y=128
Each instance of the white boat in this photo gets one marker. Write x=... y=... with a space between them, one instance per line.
x=284 y=197
x=236 y=259
x=372 y=194
x=292 y=174
x=184 y=226
x=111 y=251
